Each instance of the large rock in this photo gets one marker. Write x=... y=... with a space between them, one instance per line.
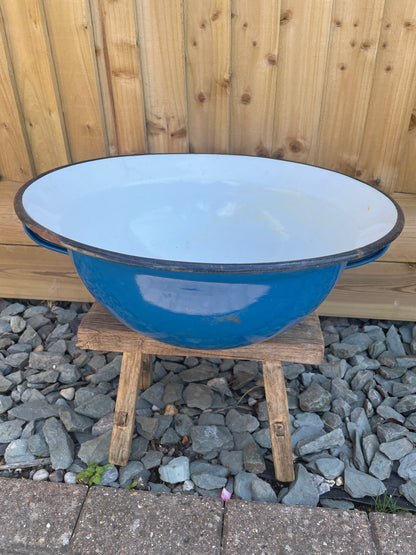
x=34 y=410
x=198 y=396
x=317 y=444
x=97 y=407
x=211 y=438
x=18 y=451
x=358 y=484
x=10 y=430
x=407 y=468
x=238 y=422
x=315 y=399
x=303 y=490
x=96 y=449
x=61 y=446
x=177 y=470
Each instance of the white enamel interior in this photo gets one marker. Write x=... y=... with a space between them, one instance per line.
x=209 y=208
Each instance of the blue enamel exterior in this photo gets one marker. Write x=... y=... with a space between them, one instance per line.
x=202 y=310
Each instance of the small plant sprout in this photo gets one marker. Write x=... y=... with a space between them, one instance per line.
x=93 y=474
x=386 y=503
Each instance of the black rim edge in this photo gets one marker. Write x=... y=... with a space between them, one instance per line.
x=202 y=267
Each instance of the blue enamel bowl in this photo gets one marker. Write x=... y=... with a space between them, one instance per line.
x=208 y=251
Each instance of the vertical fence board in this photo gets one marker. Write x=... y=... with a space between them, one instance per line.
x=406 y=180
x=392 y=97
x=162 y=56
x=35 y=82
x=207 y=25
x=69 y=34
x=14 y=157
x=303 y=45
x=120 y=75
x=255 y=35
x=352 y=51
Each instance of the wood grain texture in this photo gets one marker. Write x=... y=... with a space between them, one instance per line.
x=70 y=33
x=303 y=46
x=394 y=89
x=15 y=161
x=120 y=75
x=29 y=52
x=403 y=249
x=254 y=54
x=162 y=56
x=406 y=179
x=125 y=415
x=38 y=273
x=355 y=31
x=11 y=229
x=278 y=412
x=383 y=290
x=207 y=35
x=303 y=343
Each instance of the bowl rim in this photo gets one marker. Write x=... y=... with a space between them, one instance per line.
x=354 y=255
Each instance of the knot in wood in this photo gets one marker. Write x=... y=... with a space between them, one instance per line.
x=271 y=59
x=245 y=98
x=201 y=97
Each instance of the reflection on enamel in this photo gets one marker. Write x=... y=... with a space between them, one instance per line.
x=198 y=297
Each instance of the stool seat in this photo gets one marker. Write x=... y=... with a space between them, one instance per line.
x=303 y=343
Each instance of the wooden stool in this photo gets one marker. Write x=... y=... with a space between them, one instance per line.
x=303 y=343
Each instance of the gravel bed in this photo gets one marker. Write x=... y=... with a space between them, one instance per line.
x=202 y=427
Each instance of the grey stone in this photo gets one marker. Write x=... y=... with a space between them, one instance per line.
x=340 y=389
x=34 y=410
x=31 y=337
x=31 y=395
x=107 y=372
x=314 y=399
x=407 y=468
x=392 y=373
x=16 y=377
x=130 y=473
x=173 y=393
x=164 y=421
x=109 y=476
x=337 y=504
x=96 y=449
x=292 y=370
x=104 y=424
x=376 y=349
x=410 y=422
x=387 y=412
x=306 y=433
x=5 y=384
x=97 y=406
x=48 y=376
x=394 y=343
x=85 y=394
x=10 y=430
x=359 y=418
x=211 y=419
x=340 y=407
x=370 y=445
x=244 y=372
x=154 y=395
x=262 y=437
x=5 y=403
x=317 y=444
x=183 y=424
x=17 y=360
x=329 y=467
x=345 y=350
x=61 y=330
x=308 y=419
x=18 y=451
x=138 y=448
x=210 y=438
x=237 y=422
x=242 y=439
x=198 y=396
x=374 y=397
x=400 y=389
x=396 y=449
x=199 y=466
x=5 y=326
x=73 y=421
x=406 y=361
x=203 y=371
x=335 y=369
x=17 y=324
x=42 y=360
x=147 y=426
x=358 y=484
x=170 y=437
x=361 y=340
x=302 y=491
x=233 y=460
x=68 y=373
x=408 y=378
x=361 y=378
x=262 y=491
x=61 y=446
x=407 y=403
x=37 y=445
x=177 y=470
x=207 y=480
x=221 y=386
x=387 y=359
x=390 y=431
x=262 y=413
x=408 y=490
x=381 y=466
x=12 y=309
x=253 y=459
x=242 y=485
x=375 y=333
x=152 y=459
x=332 y=420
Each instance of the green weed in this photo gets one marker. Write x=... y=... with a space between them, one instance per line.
x=385 y=503
x=93 y=474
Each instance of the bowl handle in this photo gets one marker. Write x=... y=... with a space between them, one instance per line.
x=43 y=242
x=366 y=259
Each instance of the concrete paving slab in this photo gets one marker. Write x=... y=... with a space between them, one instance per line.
x=38 y=517
x=131 y=522
x=394 y=534
x=265 y=528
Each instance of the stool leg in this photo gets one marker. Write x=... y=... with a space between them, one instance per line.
x=124 y=416
x=275 y=389
x=146 y=374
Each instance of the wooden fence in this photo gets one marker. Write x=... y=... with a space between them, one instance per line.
x=327 y=82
